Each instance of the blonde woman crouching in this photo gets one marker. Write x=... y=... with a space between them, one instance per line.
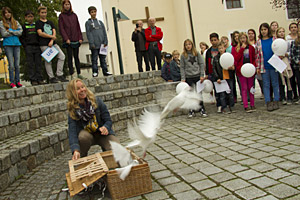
x=89 y=120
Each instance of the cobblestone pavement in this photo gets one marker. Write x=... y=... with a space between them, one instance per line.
x=235 y=156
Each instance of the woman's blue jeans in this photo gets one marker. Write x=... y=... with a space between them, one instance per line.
x=13 y=57
x=270 y=76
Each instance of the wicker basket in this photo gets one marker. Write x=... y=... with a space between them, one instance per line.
x=136 y=183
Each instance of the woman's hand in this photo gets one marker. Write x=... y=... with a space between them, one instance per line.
x=258 y=71
x=76 y=155
x=68 y=42
x=244 y=45
x=219 y=81
x=202 y=79
x=103 y=130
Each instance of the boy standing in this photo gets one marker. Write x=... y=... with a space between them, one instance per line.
x=47 y=36
x=225 y=99
x=29 y=40
x=96 y=34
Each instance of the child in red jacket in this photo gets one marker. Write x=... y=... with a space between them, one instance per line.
x=245 y=53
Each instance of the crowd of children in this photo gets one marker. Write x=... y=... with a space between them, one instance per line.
x=37 y=36
x=245 y=48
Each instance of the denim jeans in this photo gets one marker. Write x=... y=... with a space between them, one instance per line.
x=95 y=54
x=226 y=99
x=13 y=57
x=270 y=76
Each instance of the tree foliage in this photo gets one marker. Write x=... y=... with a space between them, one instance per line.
x=19 y=7
x=293 y=7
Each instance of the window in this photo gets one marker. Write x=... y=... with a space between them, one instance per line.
x=293 y=9
x=232 y=4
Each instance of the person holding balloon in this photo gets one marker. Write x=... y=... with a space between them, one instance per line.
x=244 y=58
x=263 y=52
x=286 y=75
x=221 y=69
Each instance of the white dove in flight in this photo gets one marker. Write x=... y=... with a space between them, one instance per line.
x=186 y=99
x=123 y=157
x=143 y=132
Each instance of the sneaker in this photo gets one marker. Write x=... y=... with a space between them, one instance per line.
x=19 y=85
x=289 y=102
x=219 y=109
x=62 y=79
x=53 y=80
x=224 y=111
x=95 y=74
x=270 y=106
x=275 y=105
x=191 y=114
x=79 y=76
x=203 y=113
x=284 y=102
x=12 y=85
x=296 y=101
x=107 y=73
x=253 y=109
x=33 y=83
x=248 y=110
x=42 y=82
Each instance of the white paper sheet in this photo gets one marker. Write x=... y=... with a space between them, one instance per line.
x=277 y=63
x=49 y=53
x=103 y=50
x=222 y=87
x=199 y=86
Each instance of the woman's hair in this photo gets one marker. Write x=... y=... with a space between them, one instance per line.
x=274 y=22
x=277 y=31
x=193 y=50
x=73 y=100
x=238 y=47
x=251 y=29
x=175 y=52
x=234 y=43
x=62 y=5
x=265 y=25
x=6 y=22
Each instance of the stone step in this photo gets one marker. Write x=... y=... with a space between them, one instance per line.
x=15 y=122
x=16 y=98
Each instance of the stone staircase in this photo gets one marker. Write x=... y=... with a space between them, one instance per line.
x=33 y=120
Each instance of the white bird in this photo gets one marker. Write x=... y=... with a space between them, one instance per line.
x=121 y=154
x=143 y=132
x=123 y=157
x=186 y=99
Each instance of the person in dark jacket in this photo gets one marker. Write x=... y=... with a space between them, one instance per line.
x=89 y=120
x=166 y=70
x=175 y=66
x=139 y=39
x=225 y=99
x=71 y=33
x=29 y=40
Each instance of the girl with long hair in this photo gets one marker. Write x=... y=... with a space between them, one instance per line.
x=71 y=33
x=293 y=28
x=245 y=53
x=203 y=46
x=269 y=75
x=11 y=30
x=274 y=26
x=89 y=120
x=252 y=37
x=192 y=69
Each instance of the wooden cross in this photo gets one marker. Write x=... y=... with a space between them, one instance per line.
x=147 y=17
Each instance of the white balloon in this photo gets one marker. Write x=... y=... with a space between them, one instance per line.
x=208 y=86
x=226 y=60
x=182 y=86
x=248 y=70
x=279 y=47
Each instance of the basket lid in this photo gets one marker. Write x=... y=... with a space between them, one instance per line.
x=85 y=170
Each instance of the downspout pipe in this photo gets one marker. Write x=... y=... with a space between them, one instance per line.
x=191 y=21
